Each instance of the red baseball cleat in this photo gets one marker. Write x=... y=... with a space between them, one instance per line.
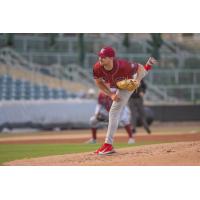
x=99 y=149
x=105 y=149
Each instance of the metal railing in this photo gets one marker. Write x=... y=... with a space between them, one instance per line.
x=37 y=49
x=164 y=84
x=73 y=72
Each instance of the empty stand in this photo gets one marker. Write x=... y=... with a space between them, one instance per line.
x=18 y=89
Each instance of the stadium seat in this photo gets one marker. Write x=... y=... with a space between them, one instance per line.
x=22 y=89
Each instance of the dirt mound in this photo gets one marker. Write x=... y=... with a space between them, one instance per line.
x=174 y=154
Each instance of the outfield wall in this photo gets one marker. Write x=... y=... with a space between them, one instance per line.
x=75 y=113
x=46 y=113
x=176 y=112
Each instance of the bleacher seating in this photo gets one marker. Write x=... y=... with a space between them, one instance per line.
x=22 y=73
x=177 y=74
x=11 y=89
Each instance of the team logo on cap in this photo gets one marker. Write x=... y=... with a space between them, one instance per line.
x=102 y=50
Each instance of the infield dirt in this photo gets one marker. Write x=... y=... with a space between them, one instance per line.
x=182 y=149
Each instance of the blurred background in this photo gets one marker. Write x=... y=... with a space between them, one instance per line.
x=46 y=79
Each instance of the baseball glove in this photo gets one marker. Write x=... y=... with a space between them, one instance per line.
x=128 y=84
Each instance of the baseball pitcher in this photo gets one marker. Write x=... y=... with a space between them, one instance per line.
x=118 y=74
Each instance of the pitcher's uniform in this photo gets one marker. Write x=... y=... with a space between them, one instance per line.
x=122 y=69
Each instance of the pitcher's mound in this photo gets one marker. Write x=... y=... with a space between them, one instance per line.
x=180 y=153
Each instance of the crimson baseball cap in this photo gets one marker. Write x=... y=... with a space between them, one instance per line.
x=106 y=52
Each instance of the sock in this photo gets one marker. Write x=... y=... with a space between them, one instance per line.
x=128 y=130
x=94 y=133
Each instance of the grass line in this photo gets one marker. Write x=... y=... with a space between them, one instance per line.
x=10 y=152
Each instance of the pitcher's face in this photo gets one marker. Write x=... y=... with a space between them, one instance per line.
x=105 y=61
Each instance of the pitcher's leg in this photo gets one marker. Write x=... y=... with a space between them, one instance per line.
x=114 y=114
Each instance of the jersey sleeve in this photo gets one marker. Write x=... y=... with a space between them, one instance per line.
x=130 y=69
x=134 y=67
x=97 y=72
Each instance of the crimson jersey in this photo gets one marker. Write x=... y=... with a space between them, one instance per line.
x=105 y=101
x=122 y=69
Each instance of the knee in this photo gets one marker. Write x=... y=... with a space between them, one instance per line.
x=123 y=123
x=116 y=109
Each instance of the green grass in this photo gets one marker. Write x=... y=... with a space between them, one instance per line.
x=9 y=152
